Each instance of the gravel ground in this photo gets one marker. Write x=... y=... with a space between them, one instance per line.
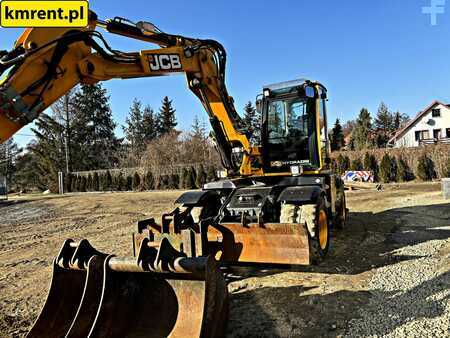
x=387 y=273
x=411 y=298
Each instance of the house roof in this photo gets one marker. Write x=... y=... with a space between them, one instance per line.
x=419 y=115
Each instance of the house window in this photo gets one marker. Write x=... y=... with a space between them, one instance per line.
x=437 y=134
x=436 y=112
x=447 y=132
x=422 y=135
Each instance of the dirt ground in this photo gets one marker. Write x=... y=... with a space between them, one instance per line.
x=318 y=301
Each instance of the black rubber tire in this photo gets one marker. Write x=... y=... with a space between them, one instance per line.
x=316 y=251
x=341 y=212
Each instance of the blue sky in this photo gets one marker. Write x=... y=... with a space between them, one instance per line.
x=363 y=51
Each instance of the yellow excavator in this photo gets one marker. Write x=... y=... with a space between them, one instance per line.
x=275 y=204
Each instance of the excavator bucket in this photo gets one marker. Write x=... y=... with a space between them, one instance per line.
x=160 y=293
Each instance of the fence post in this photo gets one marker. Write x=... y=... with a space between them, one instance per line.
x=61 y=182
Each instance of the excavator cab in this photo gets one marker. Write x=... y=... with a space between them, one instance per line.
x=293 y=126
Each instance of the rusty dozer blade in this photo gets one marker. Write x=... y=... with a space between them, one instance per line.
x=160 y=293
x=70 y=268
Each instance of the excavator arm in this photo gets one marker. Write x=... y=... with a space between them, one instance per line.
x=47 y=62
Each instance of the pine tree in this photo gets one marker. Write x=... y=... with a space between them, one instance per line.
x=252 y=122
x=166 y=117
x=399 y=120
x=95 y=142
x=49 y=151
x=337 y=136
x=361 y=135
x=149 y=124
x=384 y=125
x=9 y=151
x=198 y=129
x=133 y=128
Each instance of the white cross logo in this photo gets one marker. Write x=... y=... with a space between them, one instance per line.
x=436 y=7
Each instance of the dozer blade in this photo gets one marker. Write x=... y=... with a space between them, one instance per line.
x=160 y=293
x=272 y=243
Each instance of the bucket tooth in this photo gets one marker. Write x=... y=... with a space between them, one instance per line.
x=167 y=254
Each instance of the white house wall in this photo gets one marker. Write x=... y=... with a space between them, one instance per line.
x=443 y=122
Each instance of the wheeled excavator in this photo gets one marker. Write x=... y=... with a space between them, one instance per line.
x=275 y=204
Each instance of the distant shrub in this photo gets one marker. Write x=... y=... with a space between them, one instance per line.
x=174 y=181
x=404 y=173
x=356 y=164
x=119 y=182
x=136 y=182
x=190 y=179
x=425 y=168
x=149 y=181
x=83 y=183
x=343 y=164
x=394 y=168
x=201 y=177
x=211 y=174
x=68 y=182
x=385 y=169
x=184 y=178
x=447 y=169
x=129 y=183
x=95 y=182
x=74 y=182
x=89 y=183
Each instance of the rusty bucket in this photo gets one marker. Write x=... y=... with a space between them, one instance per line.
x=160 y=293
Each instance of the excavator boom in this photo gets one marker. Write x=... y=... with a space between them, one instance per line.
x=47 y=62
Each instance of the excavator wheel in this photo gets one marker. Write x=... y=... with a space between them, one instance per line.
x=341 y=212
x=317 y=220
x=341 y=206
